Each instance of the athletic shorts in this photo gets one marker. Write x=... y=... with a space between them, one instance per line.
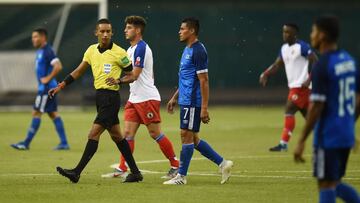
x=43 y=103
x=144 y=112
x=190 y=118
x=330 y=164
x=300 y=97
x=107 y=107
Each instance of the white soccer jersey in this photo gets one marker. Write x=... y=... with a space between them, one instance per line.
x=143 y=89
x=296 y=62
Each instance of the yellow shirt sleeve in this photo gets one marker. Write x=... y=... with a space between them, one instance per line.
x=87 y=55
x=124 y=59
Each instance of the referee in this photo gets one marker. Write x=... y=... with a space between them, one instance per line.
x=106 y=60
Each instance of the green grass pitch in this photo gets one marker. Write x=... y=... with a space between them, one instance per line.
x=242 y=134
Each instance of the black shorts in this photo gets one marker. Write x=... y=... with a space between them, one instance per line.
x=107 y=106
x=330 y=164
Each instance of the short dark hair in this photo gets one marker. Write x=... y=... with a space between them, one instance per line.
x=41 y=31
x=293 y=25
x=103 y=21
x=192 y=23
x=329 y=24
x=138 y=21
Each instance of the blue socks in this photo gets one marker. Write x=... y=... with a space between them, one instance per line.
x=59 y=125
x=347 y=193
x=327 y=196
x=35 y=124
x=185 y=158
x=205 y=149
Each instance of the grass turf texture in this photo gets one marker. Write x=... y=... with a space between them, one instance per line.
x=242 y=134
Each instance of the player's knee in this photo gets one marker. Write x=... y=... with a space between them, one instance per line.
x=36 y=114
x=327 y=184
x=186 y=137
x=116 y=139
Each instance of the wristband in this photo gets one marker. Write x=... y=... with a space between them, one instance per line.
x=69 y=79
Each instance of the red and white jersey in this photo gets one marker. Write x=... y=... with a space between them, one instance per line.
x=143 y=89
x=296 y=62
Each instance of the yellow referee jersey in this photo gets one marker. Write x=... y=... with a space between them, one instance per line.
x=107 y=64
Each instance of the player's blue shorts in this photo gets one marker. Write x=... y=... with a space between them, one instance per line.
x=43 y=103
x=190 y=118
x=330 y=164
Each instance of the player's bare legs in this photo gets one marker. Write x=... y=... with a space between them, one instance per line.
x=289 y=125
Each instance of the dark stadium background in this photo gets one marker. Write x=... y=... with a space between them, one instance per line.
x=242 y=39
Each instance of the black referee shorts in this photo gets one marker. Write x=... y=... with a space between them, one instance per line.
x=107 y=106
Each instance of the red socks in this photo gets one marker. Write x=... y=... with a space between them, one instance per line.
x=168 y=150
x=288 y=128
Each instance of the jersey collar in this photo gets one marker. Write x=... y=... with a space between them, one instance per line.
x=102 y=50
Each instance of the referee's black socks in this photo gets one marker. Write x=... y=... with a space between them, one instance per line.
x=124 y=148
x=89 y=151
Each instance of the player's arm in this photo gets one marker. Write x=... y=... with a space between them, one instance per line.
x=271 y=70
x=57 y=67
x=312 y=60
x=314 y=111
x=75 y=74
x=129 y=77
x=172 y=102
x=204 y=89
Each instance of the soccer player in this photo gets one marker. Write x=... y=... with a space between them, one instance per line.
x=106 y=60
x=333 y=110
x=47 y=66
x=143 y=106
x=296 y=56
x=193 y=96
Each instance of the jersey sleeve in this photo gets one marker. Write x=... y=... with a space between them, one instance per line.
x=280 y=54
x=124 y=60
x=51 y=56
x=200 y=60
x=319 y=77
x=305 y=49
x=87 y=54
x=139 y=55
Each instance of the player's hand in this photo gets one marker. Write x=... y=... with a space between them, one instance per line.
x=170 y=105
x=45 y=80
x=112 y=81
x=204 y=115
x=263 y=79
x=57 y=89
x=299 y=151
x=306 y=84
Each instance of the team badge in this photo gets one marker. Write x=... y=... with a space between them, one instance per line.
x=125 y=60
x=294 y=97
x=137 y=61
x=150 y=115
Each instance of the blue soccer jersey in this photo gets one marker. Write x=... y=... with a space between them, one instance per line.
x=45 y=57
x=336 y=80
x=194 y=60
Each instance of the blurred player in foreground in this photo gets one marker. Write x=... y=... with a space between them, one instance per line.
x=143 y=106
x=193 y=98
x=334 y=109
x=296 y=56
x=47 y=67
x=106 y=60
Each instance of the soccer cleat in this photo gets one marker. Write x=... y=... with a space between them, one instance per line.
x=279 y=148
x=117 y=173
x=177 y=180
x=70 y=174
x=171 y=174
x=131 y=178
x=62 y=147
x=20 y=146
x=225 y=169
